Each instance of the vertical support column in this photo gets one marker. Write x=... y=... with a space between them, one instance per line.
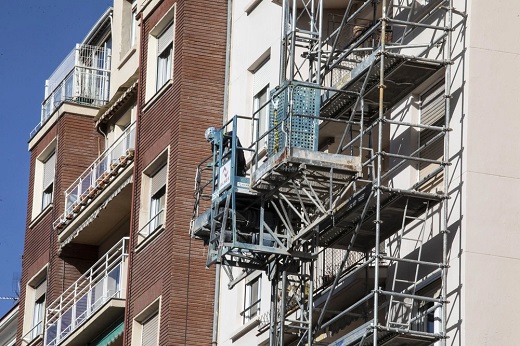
x=447 y=111
x=283 y=293
x=378 y=220
x=274 y=311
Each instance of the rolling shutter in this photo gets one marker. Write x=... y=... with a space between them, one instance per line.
x=261 y=77
x=165 y=39
x=150 y=331
x=40 y=290
x=48 y=170
x=432 y=113
x=158 y=181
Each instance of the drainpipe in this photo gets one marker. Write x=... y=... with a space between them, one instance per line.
x=214 y=341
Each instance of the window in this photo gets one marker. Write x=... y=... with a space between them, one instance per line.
x=35 y=306
x=145 y=328
x=153 y=197
x=260 y=97
x=262 y=114
x=133 y=23
x=150 y=331
x=428 y=314
x=158 y=199
x=159 y=68
x=48 y=180
x=164 y=56
x=252 y=299
x=44 y=169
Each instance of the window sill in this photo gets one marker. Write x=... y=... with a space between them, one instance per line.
x=41 y=215
x=158 y=94
x=148 y=239
x=246 y=328
x=127 y=56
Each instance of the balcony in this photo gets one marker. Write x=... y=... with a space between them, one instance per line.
x=82 y=78
x=92 y=302
x=98 y=176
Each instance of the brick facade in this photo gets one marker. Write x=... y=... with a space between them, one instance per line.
x=77 y=145
x=173 y=265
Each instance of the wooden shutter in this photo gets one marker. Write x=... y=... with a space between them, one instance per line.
x=150 y=331
x=158 y=180
x=432 y=113
x=48 y=171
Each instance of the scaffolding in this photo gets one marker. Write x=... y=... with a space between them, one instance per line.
x=310 y=195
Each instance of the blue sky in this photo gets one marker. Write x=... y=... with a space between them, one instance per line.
x=36 y=36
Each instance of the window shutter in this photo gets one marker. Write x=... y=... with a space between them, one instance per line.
x=164 y=39
x=48 y=170
x=40 y=290
x=150 y=331
x=261 y=77
x=432 y=105
x=158 y=180
x=432 y=113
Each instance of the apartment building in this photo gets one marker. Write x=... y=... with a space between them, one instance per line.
x=108 y=259
x=8 y=324
x=377 y=203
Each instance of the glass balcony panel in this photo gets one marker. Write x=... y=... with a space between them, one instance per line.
x=81 y=309
x=66 y=322
x=113 y=281
x=87 y=295
x=83 y=77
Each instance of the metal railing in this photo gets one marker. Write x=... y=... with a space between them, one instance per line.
x=102 y=282
x=33 y=333
x=97 y=175
x=329 y=262
x=251 y=311
x=83 y=77
x=152 y=225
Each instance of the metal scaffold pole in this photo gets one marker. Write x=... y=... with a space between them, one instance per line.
x=447 y=115
x=378 y=220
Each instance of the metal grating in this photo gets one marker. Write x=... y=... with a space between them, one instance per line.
x=296 y=128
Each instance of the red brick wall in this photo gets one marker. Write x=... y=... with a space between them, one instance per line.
x=78 y=144
x=173 y=265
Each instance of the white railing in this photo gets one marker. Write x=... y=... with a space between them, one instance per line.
x=98 y=174
x=83 y=77
x=102 y=282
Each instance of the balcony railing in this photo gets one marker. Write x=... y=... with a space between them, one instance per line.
x=152 y=225
x=83 y=78
x=102 y=282
x=98 y=175
x=33 y=333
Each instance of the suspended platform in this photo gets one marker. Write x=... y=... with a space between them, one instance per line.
x=402 y=75
x=319 y=168
x=363 y=336
x=337 y=230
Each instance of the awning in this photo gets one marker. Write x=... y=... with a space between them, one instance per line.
x=111 y=336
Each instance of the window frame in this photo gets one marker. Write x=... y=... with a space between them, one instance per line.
x=152 y=310
x=152 y=223
x=154 y=86
x=43 y=194
x=35 y=306
x=252 y=302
